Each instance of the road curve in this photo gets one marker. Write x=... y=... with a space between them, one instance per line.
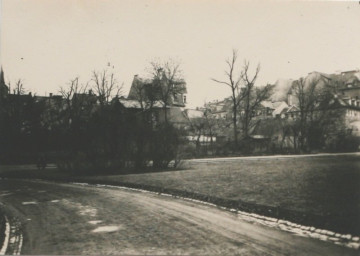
x=73 y=219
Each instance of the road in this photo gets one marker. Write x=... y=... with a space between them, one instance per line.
x=73 y=219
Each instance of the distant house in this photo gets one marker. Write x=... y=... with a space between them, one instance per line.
x=346 y=94
x=199 y=133
x=272 y=109
x=275 y=116
x=173 y=92
x=220 y=109
x=53 y=104
x=291 y=112
x=175 y=115
x=164 y=99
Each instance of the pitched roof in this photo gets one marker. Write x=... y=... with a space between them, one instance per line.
x=267 y=104
x=281 y=107
x=292 y=108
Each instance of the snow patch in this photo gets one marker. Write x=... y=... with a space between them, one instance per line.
x=94 y=222
x=86 y=210
x=55 y=201
x=106 y=229
x=356 y=239
x=7 y=235
x=6 y=194
x=27 y=203
x=81 y=184
x=355 y=246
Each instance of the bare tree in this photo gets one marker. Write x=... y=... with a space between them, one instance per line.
x=72 y=105
x=245 y=97
x=73 y=88
x=211 y=126
x=316 y=116
x=167 y=81
x=19 y=87
x=307 y=97
x=105 y=86
x=233 y=81
x=146 y=93
x=252 y=97
x=197 y=127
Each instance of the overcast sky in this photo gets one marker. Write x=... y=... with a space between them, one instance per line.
x=47 y=42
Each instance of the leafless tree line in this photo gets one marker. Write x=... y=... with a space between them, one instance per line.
x=245 y=96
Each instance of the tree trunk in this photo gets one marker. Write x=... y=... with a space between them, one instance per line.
x=235 y=127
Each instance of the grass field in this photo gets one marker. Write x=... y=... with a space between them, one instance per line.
x=325 y=186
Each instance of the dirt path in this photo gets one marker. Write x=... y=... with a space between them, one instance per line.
x=73 y=219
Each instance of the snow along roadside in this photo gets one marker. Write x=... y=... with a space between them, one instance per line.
x=7 y=236
x=13 y=241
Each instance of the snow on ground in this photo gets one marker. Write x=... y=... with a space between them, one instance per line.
x=95 y=222
x=106 y=229
x=31 y=202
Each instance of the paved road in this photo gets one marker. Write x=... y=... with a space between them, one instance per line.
x=75 y=219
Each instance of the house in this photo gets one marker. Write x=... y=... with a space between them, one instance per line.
x=164 y=98
x=345 y=87
x=219 y=109
x=198 y=128
x=53 y=104
x=173 y=93
x=269 y=109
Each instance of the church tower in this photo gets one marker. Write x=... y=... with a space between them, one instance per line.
x=4 y=90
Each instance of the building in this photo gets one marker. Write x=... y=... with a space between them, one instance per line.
x=172 y=93
x=4 y=90
x=219 y=109
x=164 y=98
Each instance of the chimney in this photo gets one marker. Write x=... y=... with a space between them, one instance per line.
x=90 y=92
x=50 y=94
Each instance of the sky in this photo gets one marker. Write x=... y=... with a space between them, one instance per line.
x=46 y=43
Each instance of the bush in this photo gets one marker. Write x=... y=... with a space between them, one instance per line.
x=342 y=143
x=165 y=145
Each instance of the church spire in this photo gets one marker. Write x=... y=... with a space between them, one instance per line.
x=4 y=90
